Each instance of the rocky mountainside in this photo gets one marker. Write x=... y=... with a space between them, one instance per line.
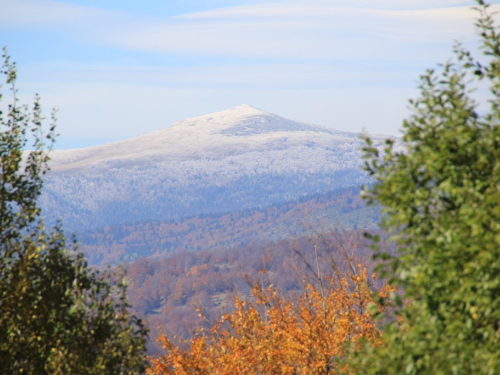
x=227 y=161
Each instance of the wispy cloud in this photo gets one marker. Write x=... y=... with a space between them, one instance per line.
x=397 y=4
x=300 y=30
x=49 y=14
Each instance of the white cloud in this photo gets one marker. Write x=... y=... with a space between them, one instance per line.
x=45 y=13
x=300 y=31
x=315 y=29
x=398 y=4
x=241 y=75
x=312 y=7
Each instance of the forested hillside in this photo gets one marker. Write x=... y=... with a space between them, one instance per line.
x=189 y=290
x=307 y=215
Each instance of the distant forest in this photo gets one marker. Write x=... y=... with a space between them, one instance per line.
x=91 y=201
x=306 y=215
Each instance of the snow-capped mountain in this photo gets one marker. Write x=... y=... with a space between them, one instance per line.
x=230 y=160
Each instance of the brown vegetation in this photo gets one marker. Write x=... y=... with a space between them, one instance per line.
x=302 y=330
x=173 y=292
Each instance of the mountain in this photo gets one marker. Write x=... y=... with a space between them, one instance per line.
x=232 y=160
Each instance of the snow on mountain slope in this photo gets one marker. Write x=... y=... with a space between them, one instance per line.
x=231 y=160
x=239 y=130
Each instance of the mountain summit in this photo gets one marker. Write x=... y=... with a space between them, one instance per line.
x=234 y=131
x=244 y=120
x=225 y=161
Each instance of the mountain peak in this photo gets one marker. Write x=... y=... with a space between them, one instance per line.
x=228 y=116
x=243 y=120
x=246 y=108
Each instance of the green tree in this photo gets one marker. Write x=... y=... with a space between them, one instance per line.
x=57 y=316
x=441 y=196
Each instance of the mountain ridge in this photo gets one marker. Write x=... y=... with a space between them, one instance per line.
x=231 y=160
x=235 y=131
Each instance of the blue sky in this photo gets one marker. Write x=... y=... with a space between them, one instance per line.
x=118 y=69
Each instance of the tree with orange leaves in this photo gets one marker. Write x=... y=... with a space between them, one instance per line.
x=279 y=335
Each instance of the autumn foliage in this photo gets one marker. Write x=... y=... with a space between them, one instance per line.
x=274 y=334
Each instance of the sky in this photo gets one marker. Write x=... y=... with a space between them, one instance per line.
x=116 y=69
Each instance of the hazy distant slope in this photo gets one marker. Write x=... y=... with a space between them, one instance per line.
x=230 y=160
x=306 y=216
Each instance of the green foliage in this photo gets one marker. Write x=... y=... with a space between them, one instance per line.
x=441 y=196
x=57 y=316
